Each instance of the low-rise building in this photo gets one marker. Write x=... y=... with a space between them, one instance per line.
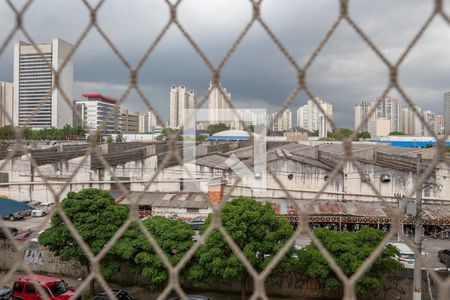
x=98 y=112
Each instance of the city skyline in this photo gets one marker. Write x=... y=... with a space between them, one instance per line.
x=174 y=60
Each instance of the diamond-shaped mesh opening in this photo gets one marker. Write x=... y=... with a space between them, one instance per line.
x=165 y=262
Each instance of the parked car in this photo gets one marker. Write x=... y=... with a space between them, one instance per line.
x=54 y=287
x=17 y=215
x=406 y=256
x=196 y=223
x=192 y=297
x=23 y=235
x=444 y=257
x=120 y=295
x=38 y=213
x=3 y=234
x=5 y=293
x=41 y=210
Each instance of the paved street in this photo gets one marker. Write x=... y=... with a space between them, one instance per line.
x=137 y=292
x=27 y=223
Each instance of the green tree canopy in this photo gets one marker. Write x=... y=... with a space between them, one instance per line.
x=345 y=132
x=315 y=133
x=66 y=133
x=119 y=138
x=7 y=133
x=349 y=249
x=364 y=135
x=174 y=237
x=96 y=217
x=397 y=133
x=200 y=137
x=214 y=128
x=258 y=232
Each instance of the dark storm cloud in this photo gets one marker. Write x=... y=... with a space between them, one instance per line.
x=345 y=72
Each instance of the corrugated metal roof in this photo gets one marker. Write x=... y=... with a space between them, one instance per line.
x=173 y=200
x=365 y=209
x=335 y=208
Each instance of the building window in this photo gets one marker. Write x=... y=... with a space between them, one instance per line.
x=4 y=178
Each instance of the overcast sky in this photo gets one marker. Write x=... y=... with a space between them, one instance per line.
x=257 y=75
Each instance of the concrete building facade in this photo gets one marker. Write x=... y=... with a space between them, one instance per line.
x=34 y=82
x=282 y=122
x=447 y=113
x=181 y=98
x=434 y=121
x=129 y=122
x=94 y=110
x=218 y=105
x=311 y=118
x=387 y=108
x=6 y=103
x=361 y=115
x=381 y=127
x=410 y=122
x=303 y=169
x=149 y=123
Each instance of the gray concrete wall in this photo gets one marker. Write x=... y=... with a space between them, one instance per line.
x=39 y=259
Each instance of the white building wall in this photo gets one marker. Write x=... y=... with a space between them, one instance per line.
x=61 y=97
x=217 y=103
x=6 y=103
x=311 y=118
x=181 y=98
x=34 y=81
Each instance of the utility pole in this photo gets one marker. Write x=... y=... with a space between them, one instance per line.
x=417 y=285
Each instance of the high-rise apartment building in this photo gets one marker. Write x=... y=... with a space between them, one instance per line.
x=218 y=105
x=311 y=118
x=95 y=109
x=129 y=122
x=181 y=99
x=149 y=123
x=447 y=113
x=361 y=114
x=387 y=108
x=34 y=83
x=6 y=103
x=283 y=121
x=440 y=124
x=410 y=123
x=432 y=120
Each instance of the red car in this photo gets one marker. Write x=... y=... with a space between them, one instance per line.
x=54 y=287
x=23 y=235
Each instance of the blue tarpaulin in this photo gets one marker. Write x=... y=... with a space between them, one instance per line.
x=9 y=206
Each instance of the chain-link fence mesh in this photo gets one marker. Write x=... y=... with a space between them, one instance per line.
x=301 y=71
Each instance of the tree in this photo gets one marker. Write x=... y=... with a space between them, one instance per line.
x=345 y=132
x=200 y=137
x=119 y=138
x=331 y=136
x=166 y=133
x=397 y=133
x=315 y=133
x=364 y=135
x=7 y=133
x=109 y=139
x=258 y=232
x=349 y=250
x=174 y=237
x=215 y=128
x=96 y=218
